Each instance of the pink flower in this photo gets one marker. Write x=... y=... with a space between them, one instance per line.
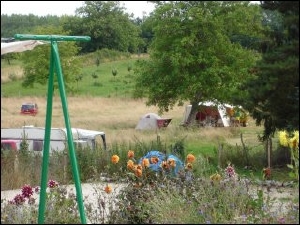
x=52 y=184
x=19 y=199
x=37 y=189
x=230 y=171
x=27 y=191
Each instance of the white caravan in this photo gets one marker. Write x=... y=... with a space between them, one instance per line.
x=58 y=137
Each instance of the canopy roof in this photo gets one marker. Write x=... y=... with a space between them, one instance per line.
x=19 y=46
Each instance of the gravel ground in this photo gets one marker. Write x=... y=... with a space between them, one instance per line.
x=92 y=193
x=280 y=197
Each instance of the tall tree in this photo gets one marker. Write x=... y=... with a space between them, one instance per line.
x=271 y=95
x=36 y=62
x=192 y=57
x=109 y=26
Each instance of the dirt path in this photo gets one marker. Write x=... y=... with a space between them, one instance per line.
x=280 y=198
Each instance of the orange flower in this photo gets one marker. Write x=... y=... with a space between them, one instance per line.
x=115 y=159
x=130 y=164
x=108 y=189
x=164 y=165
x=137 y=185
x=189 y=166
x=145 y=162
x=172 y=162
x=267 y=173
x=154 y=160
x=190 y=158
x=138 y=172
x=130 y=154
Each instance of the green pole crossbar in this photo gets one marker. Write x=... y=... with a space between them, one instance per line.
x=55 y=63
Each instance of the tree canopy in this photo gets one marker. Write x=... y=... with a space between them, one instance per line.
x=192 y=57
x=108 y=26
x=271 y=95
x=37 y=62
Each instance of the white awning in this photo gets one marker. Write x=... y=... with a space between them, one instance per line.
x=19 y=46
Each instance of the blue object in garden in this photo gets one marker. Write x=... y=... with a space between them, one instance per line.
x=179 y=164
x=162 y=157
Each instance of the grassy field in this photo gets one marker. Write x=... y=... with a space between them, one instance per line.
x=104 y=104
x=96 y=80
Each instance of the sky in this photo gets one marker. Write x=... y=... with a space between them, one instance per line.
x=43 y=8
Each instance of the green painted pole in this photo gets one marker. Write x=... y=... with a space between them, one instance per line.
x=51 y=37
x=45 y=164
x=55 y=61
x=69 y=133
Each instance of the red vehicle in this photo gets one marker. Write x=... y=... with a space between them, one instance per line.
x=10 y=145
x=29 y=109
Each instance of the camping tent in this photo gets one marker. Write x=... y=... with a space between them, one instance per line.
x=152 y=121
x=211 y=114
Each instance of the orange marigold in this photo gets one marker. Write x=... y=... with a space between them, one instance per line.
x=190 y=158
x=172 y=162
x=145 y=162
x=138 y=172
x=189 y=166
x=154 y=160
x=115 y=159
x=139 y=167
x=130 y=154
x=267 y=173
x=108 y=189
x=164 y=165
x=130 y=164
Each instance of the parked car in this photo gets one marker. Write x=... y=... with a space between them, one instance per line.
x=29 y=109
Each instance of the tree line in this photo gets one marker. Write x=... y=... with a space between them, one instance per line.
x=106 y=22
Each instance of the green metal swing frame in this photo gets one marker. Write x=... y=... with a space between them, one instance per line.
x=55 y=64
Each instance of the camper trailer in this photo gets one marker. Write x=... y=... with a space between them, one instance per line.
x=58 y=138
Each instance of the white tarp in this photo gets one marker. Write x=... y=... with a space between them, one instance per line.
x=19 y=46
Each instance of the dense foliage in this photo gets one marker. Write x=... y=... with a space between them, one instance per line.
x=272 y=93
x=36 y=66
x=193 y=55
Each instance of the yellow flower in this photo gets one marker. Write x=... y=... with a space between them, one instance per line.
x=190 y=158
x=145 y=162
x=130 y=154
x=283 y=138
x=130 y=164
x=215 y=177
x=108 y=189
x=296 y=135
x=115 y=159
